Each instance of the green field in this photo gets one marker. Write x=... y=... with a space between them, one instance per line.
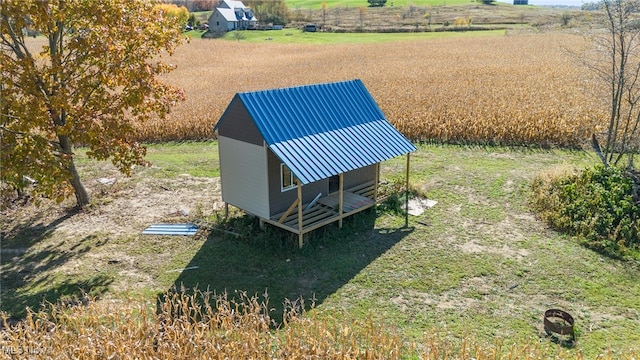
x=295 y=36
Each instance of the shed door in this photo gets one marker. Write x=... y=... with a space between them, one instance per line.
x=334 y=183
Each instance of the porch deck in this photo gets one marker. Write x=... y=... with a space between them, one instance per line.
x=326 y=209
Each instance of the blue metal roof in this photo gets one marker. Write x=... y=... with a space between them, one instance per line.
x=323 y=130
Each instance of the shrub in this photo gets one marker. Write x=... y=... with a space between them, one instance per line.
x=377 y=2
x=598 y=205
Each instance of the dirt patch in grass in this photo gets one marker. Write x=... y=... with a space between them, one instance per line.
x=129 y=209
x=506 y=251
x=46 y=248
x=119 y=210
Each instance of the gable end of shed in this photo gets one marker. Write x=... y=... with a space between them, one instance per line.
x=236 y=123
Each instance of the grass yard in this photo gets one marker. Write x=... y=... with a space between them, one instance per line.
x=477 y=265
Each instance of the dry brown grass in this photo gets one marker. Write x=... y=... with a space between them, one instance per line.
x=512 y=89
x=184 y=326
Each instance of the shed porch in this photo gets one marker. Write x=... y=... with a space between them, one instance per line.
x=325 y=210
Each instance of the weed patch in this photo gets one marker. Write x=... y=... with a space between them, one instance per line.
x=599 y=205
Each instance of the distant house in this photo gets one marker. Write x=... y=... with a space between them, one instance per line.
x=232 y=15
x=520 y=2
x=303 y=157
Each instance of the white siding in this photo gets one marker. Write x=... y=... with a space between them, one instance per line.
x=243 y=174
x=218 y=22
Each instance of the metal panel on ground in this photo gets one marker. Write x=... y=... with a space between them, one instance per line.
x=171 y=229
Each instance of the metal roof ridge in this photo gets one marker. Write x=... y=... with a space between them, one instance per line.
x=285 y=88
x=290 y=112
x=333 y=131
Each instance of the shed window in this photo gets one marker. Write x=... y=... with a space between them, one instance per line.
x=286 y=177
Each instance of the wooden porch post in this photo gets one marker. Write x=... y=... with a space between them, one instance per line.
x=406 y=200
x=300 y=234
x=375 y=185
x=340 y=200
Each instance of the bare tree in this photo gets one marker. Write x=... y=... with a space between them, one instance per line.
x=337 y=11
x=363 y=13
x=239 y=35
x=324 y=14
x=616 y=60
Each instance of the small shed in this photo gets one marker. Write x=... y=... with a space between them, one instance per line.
x=303 y=157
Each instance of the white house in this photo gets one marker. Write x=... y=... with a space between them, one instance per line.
x=232 y=15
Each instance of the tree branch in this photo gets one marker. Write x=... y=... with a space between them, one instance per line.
x=26 y=135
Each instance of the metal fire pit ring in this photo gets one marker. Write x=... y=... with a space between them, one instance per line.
x=559 y=322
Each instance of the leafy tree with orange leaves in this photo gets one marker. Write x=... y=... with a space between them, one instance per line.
x=93 y=76
x=180 y=13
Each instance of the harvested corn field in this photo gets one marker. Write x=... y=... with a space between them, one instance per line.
x=508 y=89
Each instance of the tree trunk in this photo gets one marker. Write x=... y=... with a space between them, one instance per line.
x=57 y=47
x=82 y=196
